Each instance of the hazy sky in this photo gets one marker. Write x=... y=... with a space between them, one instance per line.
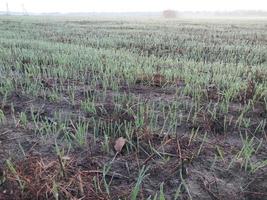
x=131 y=5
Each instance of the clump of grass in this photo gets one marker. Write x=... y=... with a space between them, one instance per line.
x=14 y=172
x=2 y=116
x=244 y=157
x=23 y=119
x=80 y=133
x=142 y=175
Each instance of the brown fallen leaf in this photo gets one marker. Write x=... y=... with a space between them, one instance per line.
x=119 y=144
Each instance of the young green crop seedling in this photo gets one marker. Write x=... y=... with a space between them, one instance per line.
x=2 y=116
x=142 y=175
x=13 y=170
x=80 y=133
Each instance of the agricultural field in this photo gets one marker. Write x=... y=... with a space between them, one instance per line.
x=99 y=108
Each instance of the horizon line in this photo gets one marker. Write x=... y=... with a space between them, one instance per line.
x=158 y=11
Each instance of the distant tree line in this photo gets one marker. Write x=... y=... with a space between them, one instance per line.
x=237 y=13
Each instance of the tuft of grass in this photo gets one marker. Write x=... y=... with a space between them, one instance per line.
x=142 y=175
x=13 y=170
x=2 y=116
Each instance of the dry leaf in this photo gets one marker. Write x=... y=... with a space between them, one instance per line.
x=119 y=144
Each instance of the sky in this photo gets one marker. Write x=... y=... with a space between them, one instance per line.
x=131 y=5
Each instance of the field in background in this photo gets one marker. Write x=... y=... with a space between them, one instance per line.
x=96 y=108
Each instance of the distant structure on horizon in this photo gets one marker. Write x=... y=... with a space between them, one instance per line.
x=7 y=9
x=169 y=14
x=9 y=12
x=24 y=11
